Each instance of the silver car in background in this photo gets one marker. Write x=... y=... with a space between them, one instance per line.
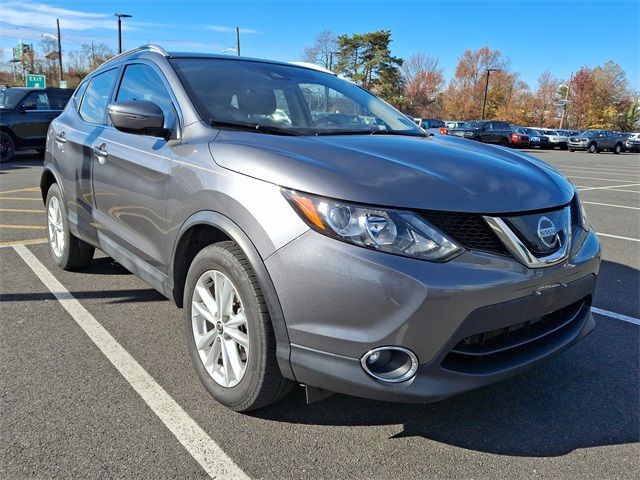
x=312 y=234
x=556 y=138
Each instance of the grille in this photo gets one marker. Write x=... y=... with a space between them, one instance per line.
x=495 y=350
x=468 y=229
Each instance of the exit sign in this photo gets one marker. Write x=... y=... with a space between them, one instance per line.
x=36 y=81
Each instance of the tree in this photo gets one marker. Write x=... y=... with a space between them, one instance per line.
x=322 y=51
x=465 y=94
x=545 y=97
x=423 y=84
x=366 y=59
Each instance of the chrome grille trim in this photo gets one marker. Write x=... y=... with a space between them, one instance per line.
x=510 y=240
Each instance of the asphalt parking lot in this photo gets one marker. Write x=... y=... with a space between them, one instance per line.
x=67 y=411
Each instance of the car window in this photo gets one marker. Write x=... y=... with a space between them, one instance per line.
x=141 y=82
x=500 y=126
x=58 y=99
x=489 y=126
x=93 y=108
x=37 y=101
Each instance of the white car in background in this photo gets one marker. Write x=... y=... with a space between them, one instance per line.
x=556 y=139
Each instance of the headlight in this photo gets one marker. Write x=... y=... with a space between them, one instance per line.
x=583 y=214
x=392 y=231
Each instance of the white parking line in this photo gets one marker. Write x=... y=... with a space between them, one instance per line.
x=611 y=205
x=610 y=187
x=200 y=445
x=617 y=316
x=631 y=167
x=596 y=178
x=600 y=172
x=618 y=237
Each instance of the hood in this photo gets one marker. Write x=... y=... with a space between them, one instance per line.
x=437 y=173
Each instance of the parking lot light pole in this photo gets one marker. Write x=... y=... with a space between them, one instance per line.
x=486 y=89
x=120 y=17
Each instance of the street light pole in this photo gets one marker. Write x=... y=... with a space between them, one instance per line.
x=566 y=97
x=486 y=89
x=60 y=51
x=120 y=17
x=238 y=40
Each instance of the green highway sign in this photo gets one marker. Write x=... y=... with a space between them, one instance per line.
x=35 y=81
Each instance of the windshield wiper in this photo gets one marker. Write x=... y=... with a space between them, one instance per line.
x=370 y=132
x=254 y=127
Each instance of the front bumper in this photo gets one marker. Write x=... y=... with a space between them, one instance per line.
x=579 y=145
x=340 y=301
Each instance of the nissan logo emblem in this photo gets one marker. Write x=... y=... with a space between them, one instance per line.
x=547 y=233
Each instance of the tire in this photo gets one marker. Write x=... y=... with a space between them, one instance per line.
x=617 y=149
x=593 y=148
x=571 y=150
x=504 y=142
x=259 y=381
x=7 y=147
x=68 y=251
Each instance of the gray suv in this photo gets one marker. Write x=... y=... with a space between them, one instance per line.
x=313 y=234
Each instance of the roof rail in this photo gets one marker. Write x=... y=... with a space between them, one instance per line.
x=149 y=47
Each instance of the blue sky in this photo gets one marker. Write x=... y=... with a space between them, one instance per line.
x=560 y=36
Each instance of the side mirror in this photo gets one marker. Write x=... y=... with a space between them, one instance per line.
x=28 y=106
x=138 y=117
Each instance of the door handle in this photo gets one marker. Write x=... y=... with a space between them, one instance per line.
x=60 y=138
x=101 y=152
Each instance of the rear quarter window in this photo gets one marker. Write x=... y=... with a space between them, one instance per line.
x=93 y=108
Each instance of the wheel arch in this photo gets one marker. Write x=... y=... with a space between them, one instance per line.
x=205 y=228
x=48 y=178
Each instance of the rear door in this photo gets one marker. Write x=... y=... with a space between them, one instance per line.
x=73 y=134
x=130 y=172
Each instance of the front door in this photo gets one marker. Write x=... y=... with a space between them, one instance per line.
x=130 y=174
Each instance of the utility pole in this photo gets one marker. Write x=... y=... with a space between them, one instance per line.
x=93 y=57
x=566 y=97
x=60 y=51
x=120 y=17
x=486 y=90
x=238 y=40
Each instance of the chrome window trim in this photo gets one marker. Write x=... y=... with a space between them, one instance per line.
x=510 y=240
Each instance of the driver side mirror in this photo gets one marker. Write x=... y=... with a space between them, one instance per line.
x=138 y=117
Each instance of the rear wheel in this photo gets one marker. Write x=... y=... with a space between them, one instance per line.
x=617 y=149
x=571 y=150
x=504 y=142
x=593 y=148
x=68 y=251
x=7 y=147
x=228 y=330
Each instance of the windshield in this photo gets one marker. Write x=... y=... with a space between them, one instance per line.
x=550 y=132
x=474 y=125
x=532 y=131
x=285 y=99
x=10 y=97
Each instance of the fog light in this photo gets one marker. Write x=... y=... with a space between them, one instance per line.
x=390 y=364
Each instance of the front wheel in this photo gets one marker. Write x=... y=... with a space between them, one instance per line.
x=67 y=250
x=593 y=148
x=228 y=330
x=571 y=150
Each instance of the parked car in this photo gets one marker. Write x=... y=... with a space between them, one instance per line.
x=632 y=143
x=556 y=139
x=486 y=131
x=25 y=114
x=453 y=124
x=519 y=139
x=595 y=141
x=537 y=139
x=370 y=260
x=432 y=125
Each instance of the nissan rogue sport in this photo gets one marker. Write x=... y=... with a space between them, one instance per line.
x=313 y=234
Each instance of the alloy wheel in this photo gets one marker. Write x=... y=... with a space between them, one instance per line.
x=56 y=227
x=220 y=328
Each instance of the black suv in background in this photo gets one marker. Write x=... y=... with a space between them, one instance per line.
x=25 y=115
x=486 y=131
x=595 y=141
